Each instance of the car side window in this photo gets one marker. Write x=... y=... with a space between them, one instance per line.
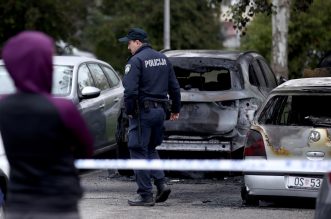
x=259 y=74
x=286 y=112
x=84 y=78
x=276 y=111
x=269 y=75
x=111 y=75
x=252 y=76
x=99 y=77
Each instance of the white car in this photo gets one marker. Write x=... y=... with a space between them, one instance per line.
x=293 y=123
x=4 y=173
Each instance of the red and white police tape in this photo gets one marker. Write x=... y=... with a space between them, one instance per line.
x=249 y=165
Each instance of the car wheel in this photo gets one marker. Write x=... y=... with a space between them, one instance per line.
x=2 y=213
x=248 y=199
x=2 y=204
x=123 y=153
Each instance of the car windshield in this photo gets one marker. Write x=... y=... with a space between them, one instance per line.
x=62 y=80
x=7 y=85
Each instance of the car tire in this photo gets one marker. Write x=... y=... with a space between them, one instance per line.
x=123 y=153
x=2 y=212
x=2 y=204
x=248 y=200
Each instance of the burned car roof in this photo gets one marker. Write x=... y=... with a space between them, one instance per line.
x=231 y=55
x=299 y=84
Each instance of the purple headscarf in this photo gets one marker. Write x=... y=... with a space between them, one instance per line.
x=28 y=59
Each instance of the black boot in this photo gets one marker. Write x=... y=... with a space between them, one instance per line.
x=140 y=201
x=163 y=192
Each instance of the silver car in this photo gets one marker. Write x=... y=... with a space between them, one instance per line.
x=93 y=86
x=293 y=123
x=220 y=91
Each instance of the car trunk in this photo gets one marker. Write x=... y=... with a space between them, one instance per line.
x=297 y=142
x=300 y=126
x=208 y=121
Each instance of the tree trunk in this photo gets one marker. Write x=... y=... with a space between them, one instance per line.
x=166 y=25
x=279 y=37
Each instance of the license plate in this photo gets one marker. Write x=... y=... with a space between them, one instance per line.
x=304 y=182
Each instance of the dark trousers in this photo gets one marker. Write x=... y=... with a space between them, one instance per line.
x=142 y=142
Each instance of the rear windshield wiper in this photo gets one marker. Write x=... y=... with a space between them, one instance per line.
x=319 y=121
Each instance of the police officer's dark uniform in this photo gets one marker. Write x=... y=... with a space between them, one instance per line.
x=149 y=78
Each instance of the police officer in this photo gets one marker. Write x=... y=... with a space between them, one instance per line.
x=149 y=78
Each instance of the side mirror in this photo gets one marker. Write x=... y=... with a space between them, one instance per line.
x=90 y=92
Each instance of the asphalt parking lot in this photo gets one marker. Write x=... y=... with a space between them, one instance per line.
x=106 y=196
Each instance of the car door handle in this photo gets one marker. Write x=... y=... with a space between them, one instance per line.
x=101 y=106
x=116 y=99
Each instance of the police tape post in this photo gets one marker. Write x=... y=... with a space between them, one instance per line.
x=250 y=165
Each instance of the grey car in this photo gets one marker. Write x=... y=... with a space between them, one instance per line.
x=293 y=123
x=93 y=86
x=220 y=92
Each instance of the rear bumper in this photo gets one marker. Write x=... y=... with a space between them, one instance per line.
x=261 y=185
x=178 y=145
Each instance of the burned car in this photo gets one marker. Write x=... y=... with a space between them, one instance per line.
x=294 y=123
x=220 y=92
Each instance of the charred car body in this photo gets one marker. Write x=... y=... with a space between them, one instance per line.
x=220 y=92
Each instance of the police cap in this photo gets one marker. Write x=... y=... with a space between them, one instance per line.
x=134 y=34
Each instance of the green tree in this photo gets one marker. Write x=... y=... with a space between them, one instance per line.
x=258 y=36
x=60 y=19
x=243 y=11
x=194 y=25
x=309 y=36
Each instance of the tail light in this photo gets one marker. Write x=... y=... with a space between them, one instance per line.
x=254 y=144
x=329 y=177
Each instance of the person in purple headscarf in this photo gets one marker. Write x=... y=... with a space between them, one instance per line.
x=42 y=135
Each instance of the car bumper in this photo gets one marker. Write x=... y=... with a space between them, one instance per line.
x=261 y=185
x=174 y=145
